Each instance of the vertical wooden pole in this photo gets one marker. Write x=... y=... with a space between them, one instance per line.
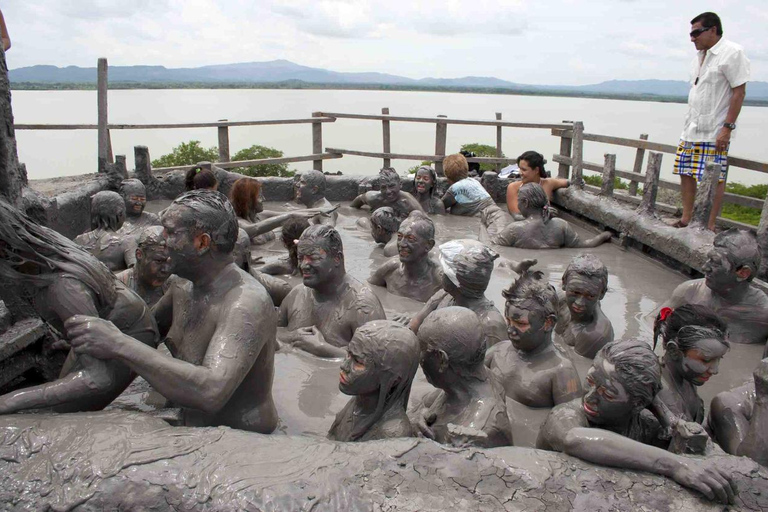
x=386 y=144
x=441 y=132
x=566 y=143
x=609 y=175
x=705 y=195
x=317 y=142
x=223 y=142
x=578 y=155
x=142 y=163
x=638 y=168
x=121 y=165
x=651 y=186
x=101 y=99
x=498 y=143
x=762 y=239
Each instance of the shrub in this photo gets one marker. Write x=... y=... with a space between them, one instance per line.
x=257 y=152
x=187 y=153
x=482 y=150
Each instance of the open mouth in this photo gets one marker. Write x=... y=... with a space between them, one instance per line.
x=342 y=378
x=589 y=410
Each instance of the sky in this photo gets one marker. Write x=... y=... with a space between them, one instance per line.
x=571 y=42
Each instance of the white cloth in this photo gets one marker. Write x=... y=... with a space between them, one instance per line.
x=725 y=66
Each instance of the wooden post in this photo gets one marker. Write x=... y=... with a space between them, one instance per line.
x=101 y=99
x=223 y=142
x=578 y=155
x=498 y=142
x=705 y=195
x=143 y=164
x=609 y=175
x=110 y=156
x=120 y=164
x=566 y=143
x=441 y=132
x=638 y=168
x=651 y=187
x=762 y=239
x=317 y=142
x=386 y=144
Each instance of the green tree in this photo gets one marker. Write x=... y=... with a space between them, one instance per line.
x=257 y=152
x=187 y=153
x=482 y=150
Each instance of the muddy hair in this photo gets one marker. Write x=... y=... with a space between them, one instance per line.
x=687 y=325
x=533 y=287
x=388 y=174
x=472 y=264
x=209 y=211
x=325 y=235
x=432 y=174
x=455 y=167
x=741 y=249
x=107 y=210
x=417 y=217
x=245 y=197
x=199 y=178
x=24 y=241
x=535 y=160
x=457 y=331
x=386 y=218
x=150 y=236
x=535 y=198
x=638 y=369
x=315 y=178
x=128 y=187
x=587 y=265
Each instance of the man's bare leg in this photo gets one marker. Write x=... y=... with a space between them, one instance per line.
x=717 y=204
x=688 y=191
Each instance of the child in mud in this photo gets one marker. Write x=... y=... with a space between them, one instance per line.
x=384 y=226
x=465 y=196
x=424 y=187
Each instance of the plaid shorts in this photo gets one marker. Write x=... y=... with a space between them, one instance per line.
x=692 y=157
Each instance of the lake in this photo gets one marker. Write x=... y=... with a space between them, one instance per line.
x=58 y=153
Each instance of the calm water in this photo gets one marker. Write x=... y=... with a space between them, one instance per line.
x=57 y=153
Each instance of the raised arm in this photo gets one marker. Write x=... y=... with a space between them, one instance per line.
x=512 y=189
x=359 y=201
x=379 y=276
x=264 y=226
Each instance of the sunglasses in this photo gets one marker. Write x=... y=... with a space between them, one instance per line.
x=699 y=31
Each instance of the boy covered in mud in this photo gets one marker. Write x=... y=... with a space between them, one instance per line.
x=389 y=194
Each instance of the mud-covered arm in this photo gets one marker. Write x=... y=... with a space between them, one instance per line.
x=755 y=444
x=428 y=308
x=264 y=226
x=448 y=199
x=163 y=311
x=359 y=201
x=512 y=189
x=413 y=203
x=130 y=244
x=379 y=276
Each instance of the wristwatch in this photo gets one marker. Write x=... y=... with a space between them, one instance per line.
x=730 y=126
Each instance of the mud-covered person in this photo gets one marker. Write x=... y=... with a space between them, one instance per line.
x=309 y=191
x=529 y=366
x=424 y=188
x=135 y=196
x=413 y=274
x=389 y=194
x=148 y=277
x=321 y=314
x=610 y=424
x=465 y=195
x=384 y=226
x=106 y=242
x=219 y=325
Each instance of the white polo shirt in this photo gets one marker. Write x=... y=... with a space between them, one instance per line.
x=725 y=66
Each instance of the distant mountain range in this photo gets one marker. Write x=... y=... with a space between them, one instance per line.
x=283 y=71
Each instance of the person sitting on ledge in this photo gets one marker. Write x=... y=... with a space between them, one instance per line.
x=738 y=418
x=610 y=424
x=382 y=359
x=384 y=227
x=727 y=287
x=414 y=274
x=148 y=277
x=694 y=341
x=289 y=265
x=582 y=323
x=62 y=280
x=198 y=178
x=105 y=242
x=529 y=366
x=465 y=195
x=532 y=170
x=539 y=230
x=424 y=187
x=135 y=196
x=468 y=407
x=219 y=325
x=467 y=268
x=323 y=313
x=389 y=194
x=309 y=191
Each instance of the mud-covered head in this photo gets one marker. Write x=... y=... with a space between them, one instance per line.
x=425 y=180
x=292 y=231
x=135 y=196
x=384 y=224
x=107 y=210
x=152 y=264
x=452 y=338
x=415 y=237
x=382 y=359
x=530 y=311
x=585 y=282
x=533 y=200
x=200 y=178
x=531 y=164
x=320 y=255
x=455 y=167
x=389 y=185
x=31 y=254
x=695 y=339
x=623 y=380
x=733 y=260
x=309 y=186
x=467 y=267
x=246 y=198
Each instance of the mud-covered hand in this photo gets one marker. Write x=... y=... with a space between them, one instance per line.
x=424 y=424
x=761 y=379
x=707 y=478
x=93 y=336
x=308 y=338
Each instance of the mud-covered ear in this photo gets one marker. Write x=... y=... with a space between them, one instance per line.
x=744 y=273
x=549 y=322
x=444 y=361
x=139 y=254
x=673 y=350
x=203 y=242
x=431 y=243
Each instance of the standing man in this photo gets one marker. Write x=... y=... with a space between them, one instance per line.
x=718 y=77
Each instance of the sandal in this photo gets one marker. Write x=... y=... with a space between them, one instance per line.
x=679 y=224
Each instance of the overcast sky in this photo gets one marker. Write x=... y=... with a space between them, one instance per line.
x=525 y=41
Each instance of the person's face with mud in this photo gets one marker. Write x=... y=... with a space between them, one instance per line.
x=303 y=189
x=135 y=201
x=605 y=401
x=583 y=294
x=423 y=181
x=358 y=374
x=315 y=263
x=152 y=265
x=527 y=326
x=719 y=274
x=389 y=188
x=412 y=243
x=182 y=243
x=697 y=365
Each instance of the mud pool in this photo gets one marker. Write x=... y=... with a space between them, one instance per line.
x=306 y=387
